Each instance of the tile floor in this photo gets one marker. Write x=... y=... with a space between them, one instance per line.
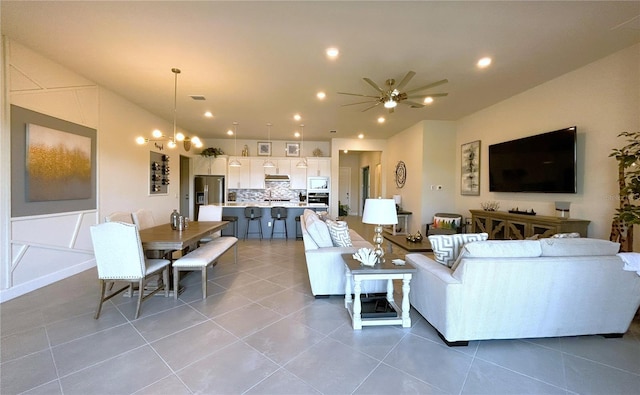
x=261 y=332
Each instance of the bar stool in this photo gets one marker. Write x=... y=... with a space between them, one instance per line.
x=234 y=221
x=253 y=213
x=279 y=214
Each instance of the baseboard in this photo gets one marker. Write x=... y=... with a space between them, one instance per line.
x=460 y=343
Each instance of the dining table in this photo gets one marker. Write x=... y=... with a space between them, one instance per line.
x=165 y=238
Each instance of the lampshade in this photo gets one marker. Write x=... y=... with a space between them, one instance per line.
x=380 y=212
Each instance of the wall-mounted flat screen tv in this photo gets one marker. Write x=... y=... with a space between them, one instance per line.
x=542 y=163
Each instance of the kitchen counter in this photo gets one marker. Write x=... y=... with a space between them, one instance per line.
x=304 y=205
x=294 y=209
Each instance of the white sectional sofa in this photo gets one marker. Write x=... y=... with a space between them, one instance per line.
x=526 y=289
x=324 y=259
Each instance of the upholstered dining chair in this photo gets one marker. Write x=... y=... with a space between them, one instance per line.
x=119 y=216
x=143 y=218
x=445 y=224
x=210 y=213
x=119 y=257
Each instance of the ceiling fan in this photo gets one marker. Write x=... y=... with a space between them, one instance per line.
x=392 y=94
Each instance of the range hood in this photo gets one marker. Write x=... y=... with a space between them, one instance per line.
x=276 y=177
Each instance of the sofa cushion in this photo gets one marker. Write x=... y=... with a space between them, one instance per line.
x=578 y=247
x=446 y=248
x=503 y=249
x=445 y=223
x=339 y=232
x=317 y=229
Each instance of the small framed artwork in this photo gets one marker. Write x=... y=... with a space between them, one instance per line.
x=293 y=149
x=470 y=172
x=264 y=148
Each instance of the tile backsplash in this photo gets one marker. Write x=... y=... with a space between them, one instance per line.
x=273 y=190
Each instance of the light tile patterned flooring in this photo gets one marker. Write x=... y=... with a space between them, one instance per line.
x=261 y=332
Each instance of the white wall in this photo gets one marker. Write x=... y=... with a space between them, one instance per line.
x=47 y=248
x=602 y=99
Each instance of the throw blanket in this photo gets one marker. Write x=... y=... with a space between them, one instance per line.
x=631 y=261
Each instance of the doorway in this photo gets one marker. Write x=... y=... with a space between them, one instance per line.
x=344 y=189
x=185 y=163
x=365 y=185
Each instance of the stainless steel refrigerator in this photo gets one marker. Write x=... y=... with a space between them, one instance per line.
x=208 y=190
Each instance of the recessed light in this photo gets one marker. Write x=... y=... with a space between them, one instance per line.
x=428 y=100
x=208 y=114
x=484 y=62
x=381 y=120
x=333 y=52
x=297 y=134
x=230 y=132
x=321 y=95
x=297 y=117
x=361 y=136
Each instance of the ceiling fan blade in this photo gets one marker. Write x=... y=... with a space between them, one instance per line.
x=360 y=102
x=369 y=108
x=405 y=80
x=373 y=84
x=428 y=95
x=356 y=94
x=432 y=85
x=412 y=103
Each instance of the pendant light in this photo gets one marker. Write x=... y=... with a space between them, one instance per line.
x=179 y=136
x=303 y=161
x=235 y=162
x=268 y=162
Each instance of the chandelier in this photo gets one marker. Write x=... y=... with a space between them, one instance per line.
x=303 y=161
x=158 y=137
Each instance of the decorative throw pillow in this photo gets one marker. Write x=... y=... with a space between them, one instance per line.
x=318 y=231
x=339 y=231
x=446 y=223
x=446 y=248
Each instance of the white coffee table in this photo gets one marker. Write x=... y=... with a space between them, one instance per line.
x=357 y=273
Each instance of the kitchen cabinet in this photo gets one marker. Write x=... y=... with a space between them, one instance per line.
x=240 y=177
x=282 y=166
x=208 y=165
x=504 y=225
x=318 y=167
x=298 y=177
x=256 y=176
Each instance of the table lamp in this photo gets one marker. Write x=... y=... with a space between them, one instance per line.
x=379 y=212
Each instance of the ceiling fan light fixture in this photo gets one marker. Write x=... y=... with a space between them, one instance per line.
x=428 y=100
x=390 y=103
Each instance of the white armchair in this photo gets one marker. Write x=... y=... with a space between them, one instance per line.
x=119 y=257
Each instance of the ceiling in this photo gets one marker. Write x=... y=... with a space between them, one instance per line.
x=259 y=62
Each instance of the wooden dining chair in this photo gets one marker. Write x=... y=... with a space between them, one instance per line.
x=119 y=257
x=119 y=216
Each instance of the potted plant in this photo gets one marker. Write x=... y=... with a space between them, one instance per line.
x=343 y=210
x=627 y=214
x=207 y=152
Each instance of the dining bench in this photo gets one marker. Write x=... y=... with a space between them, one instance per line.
x=201 y=258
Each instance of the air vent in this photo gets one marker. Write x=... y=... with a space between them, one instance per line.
x=197 y=97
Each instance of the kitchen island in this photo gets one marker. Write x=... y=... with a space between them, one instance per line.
x=294 y=209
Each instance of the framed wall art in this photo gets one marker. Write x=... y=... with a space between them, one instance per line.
x=264 y=148
x=53 y=164
x=292 y=149
x=470 y=172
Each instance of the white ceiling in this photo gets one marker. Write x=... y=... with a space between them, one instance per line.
x=259 y=62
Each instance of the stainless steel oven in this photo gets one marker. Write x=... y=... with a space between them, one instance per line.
x=318 y=197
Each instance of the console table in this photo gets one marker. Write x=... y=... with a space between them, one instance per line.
x=504 y=225
x=403 y=224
